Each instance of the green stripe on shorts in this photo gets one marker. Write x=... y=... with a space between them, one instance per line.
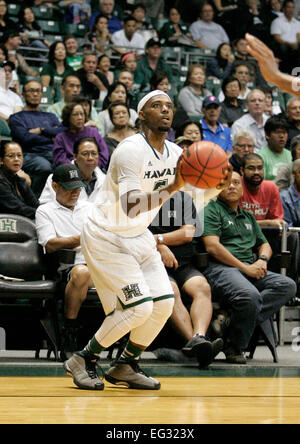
x=166 y=296
x=140 y=301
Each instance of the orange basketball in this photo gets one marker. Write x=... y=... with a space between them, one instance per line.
x=203 y=164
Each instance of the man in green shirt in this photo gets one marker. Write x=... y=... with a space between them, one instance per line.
x=237 y=272
x=275 y=155
x=150 y=63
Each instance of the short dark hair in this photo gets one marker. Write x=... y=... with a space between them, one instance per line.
x=66 y=113
x=182 y=127
x=157 y=77
x=252 y=156
x=113 y=105
x=77 y=144
x=129 y=18
x=274 y=123
x=64 y=80
x=4 y=144
x=227 y=80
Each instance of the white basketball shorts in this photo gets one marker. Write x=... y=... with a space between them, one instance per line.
x=125 y=271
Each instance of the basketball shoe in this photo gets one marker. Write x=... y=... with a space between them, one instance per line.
x=128 y=373
x=83 y=371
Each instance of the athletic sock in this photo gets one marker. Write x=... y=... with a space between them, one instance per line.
x=92 y=349
x=131 y=352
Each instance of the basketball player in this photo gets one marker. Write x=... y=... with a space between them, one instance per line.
x=121 y=253
x=269 y=67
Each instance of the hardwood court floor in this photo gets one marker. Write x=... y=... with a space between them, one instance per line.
x=55 y=400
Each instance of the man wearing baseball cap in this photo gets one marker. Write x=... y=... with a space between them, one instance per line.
x=152 y=61
x=213 y=130
x=59 y=224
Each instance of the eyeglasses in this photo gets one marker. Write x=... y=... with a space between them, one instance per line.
x=14 y=156
x=32 y=91
x=87 y=154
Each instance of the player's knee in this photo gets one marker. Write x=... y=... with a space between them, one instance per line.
x=143 y=311
x=164 y=307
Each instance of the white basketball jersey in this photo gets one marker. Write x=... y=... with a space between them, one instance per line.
x=134 y=165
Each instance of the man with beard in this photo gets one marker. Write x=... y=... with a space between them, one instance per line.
x=275 y=155
x=262 y=198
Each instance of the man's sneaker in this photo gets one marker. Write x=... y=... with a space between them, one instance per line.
x=83 y=371
x=200 y=347
x=129 y=374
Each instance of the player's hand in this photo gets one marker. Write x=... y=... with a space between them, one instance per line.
x=167 y=256
x=225 y=182
x=179 y=181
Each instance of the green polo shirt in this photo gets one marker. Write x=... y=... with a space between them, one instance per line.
x=238 y=232
x=145 y=72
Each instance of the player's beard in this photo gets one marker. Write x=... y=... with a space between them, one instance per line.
x=164 y=129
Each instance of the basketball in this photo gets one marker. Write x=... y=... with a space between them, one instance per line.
x=203 y=164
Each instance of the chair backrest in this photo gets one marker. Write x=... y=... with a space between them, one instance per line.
x=21 y=256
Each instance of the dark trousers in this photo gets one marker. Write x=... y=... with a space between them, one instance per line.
x=39 y=167
x=250 y=301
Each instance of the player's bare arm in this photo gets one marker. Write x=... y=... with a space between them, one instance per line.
x=269 y=67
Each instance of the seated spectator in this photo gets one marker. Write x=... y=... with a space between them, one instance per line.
x=70 y=88
x=116 y=92
x=254 y=120
x=173 y=28
x=271 y=108
x=104 y=68
x=206 y=33
x=127 y=61
x=174 y=229
x=56 y=230
x=262 y=198
x=238 y=272
x=16 y=196
x=191 y=130
x=57 y=68
x=73 y=58
x=93 y=83
x=290 y=198
x=12 y=40
x=10 y=102
x=241 y=54
x=191 y=96
x=15 y=83
x=86 y=156
x=213 y=130
x=151 y=62
x=285 y=31
x=232 y=108
x=100 y=35
x=73 y=119
x=119 y=116
x=143 y=27
x=6 y=23
x=274 y=154
x=128 y=39
x=30 y=31
x=285 y=176
x=242 y=73
x=293 y=118
x=92 y=118
x=242 y=144
x=76 y=11
x=35 y=130
x=221 y=66
x=107 y=8
x=127 y=77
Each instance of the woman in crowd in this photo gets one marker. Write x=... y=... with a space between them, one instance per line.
x=74 y=119
x=6 y=24
x=100 y=36
x=91 y=113
x=57 y=67
x=193 y=93
x=16 y=196
x=104 y=67
x=191 y=130
x=119 y=116
x=221 y=66
x=116 y=92
x=127 y=61
x=30 y=31
x=173 y=28
x=232 y=108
